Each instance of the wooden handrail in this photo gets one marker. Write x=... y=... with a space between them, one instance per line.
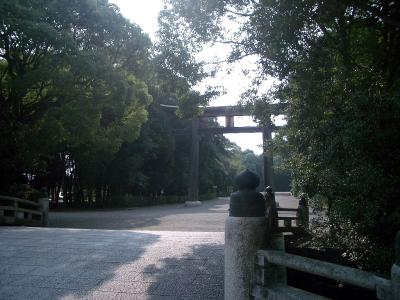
x=30 y=211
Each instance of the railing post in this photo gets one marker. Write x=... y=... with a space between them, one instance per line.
x=272 y=213
x=275 y=274
x=44 y=207
x=245 y=233
x=303 y=213
x=18 y=215
x=395 y=273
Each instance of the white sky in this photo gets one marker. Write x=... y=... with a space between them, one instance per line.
x=145 y=13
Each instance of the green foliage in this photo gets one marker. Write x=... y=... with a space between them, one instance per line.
x=337 y=62
x=72 y=88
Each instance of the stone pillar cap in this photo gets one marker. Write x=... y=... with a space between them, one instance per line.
x=247 y=202
x=247 y=180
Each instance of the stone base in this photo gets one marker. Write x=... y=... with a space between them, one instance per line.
x=243 y=237
x=395 y=280
x=192 y=203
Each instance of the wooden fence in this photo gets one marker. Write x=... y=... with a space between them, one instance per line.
x=16 y=211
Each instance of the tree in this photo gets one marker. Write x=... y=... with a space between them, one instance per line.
x=72 y=91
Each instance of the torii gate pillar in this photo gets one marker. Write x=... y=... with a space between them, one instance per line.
x=267 y=157
x=194 y=166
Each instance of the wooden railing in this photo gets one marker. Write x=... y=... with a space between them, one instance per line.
x=298 y=222
x=16 y=211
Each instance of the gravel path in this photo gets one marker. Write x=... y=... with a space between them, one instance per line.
x=55 y=263
x=174 y=252
x=208 y=217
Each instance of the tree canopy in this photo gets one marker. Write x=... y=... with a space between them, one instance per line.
x=73 y=87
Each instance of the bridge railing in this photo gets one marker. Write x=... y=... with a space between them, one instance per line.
x=269 y=287
x=16 y=211
x=271 y=264
x=253 y=230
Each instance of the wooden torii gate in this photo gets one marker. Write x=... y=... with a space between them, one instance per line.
x=229 y=112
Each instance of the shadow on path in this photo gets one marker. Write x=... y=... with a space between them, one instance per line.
x=71 y=264
x=197 y=274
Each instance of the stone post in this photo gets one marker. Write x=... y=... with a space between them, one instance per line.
x=245 y=233
x=275 y=274
x=272 y=213
x=395 y=274
x=303 y=214
x=44 y=205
